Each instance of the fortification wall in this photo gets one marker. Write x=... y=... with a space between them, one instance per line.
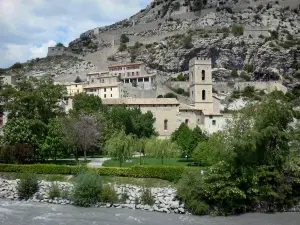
x=133 y=92
x=55 y=51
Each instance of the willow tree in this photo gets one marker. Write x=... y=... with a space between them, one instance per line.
x=161 y=148
x=120 y=147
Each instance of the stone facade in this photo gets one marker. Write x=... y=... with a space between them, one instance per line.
x=54 y=51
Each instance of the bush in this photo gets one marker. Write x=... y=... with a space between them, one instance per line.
x=108 y=194
x=17 y=66
x=248 y=68
x=234 y=73
x=245 y=76
x=54 y=191
x=170 y=173
x=147 y=197
x=124 y=197
x=28 y=186
x=122 y=47
x=237 y=30
x=170 y=95
x=124 y=38
x=87 y=189
x=187 y=42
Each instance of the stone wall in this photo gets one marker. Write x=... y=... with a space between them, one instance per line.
x=54 y=51
x=165 y=199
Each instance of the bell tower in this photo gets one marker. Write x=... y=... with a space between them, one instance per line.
x=200 y=82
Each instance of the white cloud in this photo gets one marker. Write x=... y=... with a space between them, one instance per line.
x=29 y=27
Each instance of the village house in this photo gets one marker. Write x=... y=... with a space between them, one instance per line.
x=134 y=74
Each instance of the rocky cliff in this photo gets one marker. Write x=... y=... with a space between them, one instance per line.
x=247 y=38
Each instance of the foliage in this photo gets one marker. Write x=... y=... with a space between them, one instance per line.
x=27 y=186
x=16 y=66
x=161 y=148
x=245 y=76
x=211 y=151
x=124 y=38
x=54 y=144
x=249 y=91
x=77 y=80
x=170 y=95
x=17 y=153
x=248 y=68
x=124 y=197
x=120 y=147
x=122 y=47
x=132 y=121
x=147 y=197
x=87 y=189
x=176 y=6
x=59 y=45
x=86 y=104
x=237 y=29
x=54 y=191
x=234 y=73
x=187 y=139
x=108 y=194
x=170 y=173
x=187 y=42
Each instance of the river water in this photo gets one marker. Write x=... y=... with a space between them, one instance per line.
x=23 y=213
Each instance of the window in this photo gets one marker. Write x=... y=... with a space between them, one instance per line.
x=166 y=124
x=203 y=95
x=137 y=73
x=92 y=80
x=214 y=123
x=203 y=74
x=140 y=80
x=111 y=89
x=132 y=73
x=210 y=117
x=104 y=95
x=128 y=74
x=192 y=93
x=110 y=95
x=146 y=79
x=104 y=89
x=187 y=121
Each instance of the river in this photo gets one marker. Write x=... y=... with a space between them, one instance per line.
x=23 y=213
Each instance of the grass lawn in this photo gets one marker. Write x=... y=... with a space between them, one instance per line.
x=148 y=161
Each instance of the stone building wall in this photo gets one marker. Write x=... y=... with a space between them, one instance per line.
x=55 y=51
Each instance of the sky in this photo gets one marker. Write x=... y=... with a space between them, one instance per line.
x=29 y=27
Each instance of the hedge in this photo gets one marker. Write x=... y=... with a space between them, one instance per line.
x=170 y=173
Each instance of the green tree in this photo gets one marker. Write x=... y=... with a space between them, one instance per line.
x=59 y=45
x=187 y=41
x=234 y=73
x=161 y=148
x=132 y=121
x=187 y=139
x=77 y=80
x=124 y=38
x=120 y=146
x=86 y=104
x=122 y=47
x=54 y=145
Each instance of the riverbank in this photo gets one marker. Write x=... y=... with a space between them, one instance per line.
x=164 y=198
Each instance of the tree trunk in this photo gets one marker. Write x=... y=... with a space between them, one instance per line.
x=162 y=160
x=84 y=155
x=76 y=157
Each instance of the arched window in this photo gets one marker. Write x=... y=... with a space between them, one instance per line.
x=192 y=93
x=203 y=95
x=166 y=124
x=203 y=74
x=187 y=121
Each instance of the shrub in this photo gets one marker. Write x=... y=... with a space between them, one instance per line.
x=234 y=73
x=122 y=47
x=108 y=194
x=170 y=173
x=147 y=197
x=28 y=186
x=111 y=58
x=124 y=197
x=124 y=38
x=245 y=76
x=170 y=95
x=187 y=42
x=248 y=68
x=65 y=194
x=17 y=66
x=87 y=189
x=176 y=6
x=54 y=191
x=237 y=30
